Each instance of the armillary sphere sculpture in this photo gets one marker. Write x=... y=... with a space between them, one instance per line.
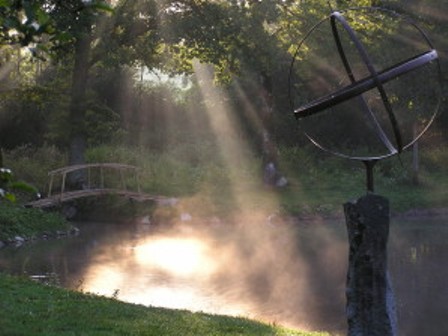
x=365 y=84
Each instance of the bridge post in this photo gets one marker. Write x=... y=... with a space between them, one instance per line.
x=101 y=177
x=64 y=175
x=137 y=179
x=50 y=185
x=88 y=178
x=122 y=180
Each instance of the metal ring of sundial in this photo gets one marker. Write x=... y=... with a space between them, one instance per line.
x=357 y=87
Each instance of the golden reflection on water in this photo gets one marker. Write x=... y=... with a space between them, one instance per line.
x=257 y=270
x=171 y=272
x=176 y=256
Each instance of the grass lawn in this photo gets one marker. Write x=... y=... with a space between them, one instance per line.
x=30 y=308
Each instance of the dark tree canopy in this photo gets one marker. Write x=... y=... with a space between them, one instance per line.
x=93 y=51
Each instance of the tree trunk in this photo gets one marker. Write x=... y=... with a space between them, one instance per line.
x=370 y=301
x=271 y=173
x=78 y=107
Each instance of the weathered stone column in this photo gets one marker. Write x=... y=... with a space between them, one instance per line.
x=370 y=301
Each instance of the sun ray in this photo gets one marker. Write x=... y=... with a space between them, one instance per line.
x=234 y=148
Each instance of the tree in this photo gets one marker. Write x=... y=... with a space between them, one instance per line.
x=227 y=34
x=243 y=40
x=52 y=27
x=24 y=22
x=250 y=44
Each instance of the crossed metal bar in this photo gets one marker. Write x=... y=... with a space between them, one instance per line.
x=357 y=87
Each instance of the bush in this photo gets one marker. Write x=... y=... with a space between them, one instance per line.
x=32 y=164
x=28 y=223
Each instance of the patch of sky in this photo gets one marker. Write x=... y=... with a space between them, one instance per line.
x=179 y=85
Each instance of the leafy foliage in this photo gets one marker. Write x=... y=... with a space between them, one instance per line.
x=23 y=22
x=253 y=40
x=9 y=187
x=5 y=181
x=249 y=43
x=28 y=223
x=44 y=26
x=32 y=164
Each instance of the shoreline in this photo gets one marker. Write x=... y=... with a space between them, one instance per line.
x=20 y=240
x=412 y=214
x=422 y=213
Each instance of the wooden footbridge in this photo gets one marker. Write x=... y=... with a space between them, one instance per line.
x=100 y=179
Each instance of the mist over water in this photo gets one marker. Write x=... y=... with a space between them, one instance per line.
x=253 y=268
x=281 y=271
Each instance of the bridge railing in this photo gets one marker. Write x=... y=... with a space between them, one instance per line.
x=90 y=182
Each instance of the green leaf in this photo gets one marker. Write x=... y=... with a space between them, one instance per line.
x=63 y=37
x=5 y=175
x=102 y=6
x=42 y=17
x=23 y=187
x=10 y=197
x=5 y=3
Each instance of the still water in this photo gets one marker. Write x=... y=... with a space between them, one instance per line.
x=288 y=273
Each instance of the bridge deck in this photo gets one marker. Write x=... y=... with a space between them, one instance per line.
x=67 y=196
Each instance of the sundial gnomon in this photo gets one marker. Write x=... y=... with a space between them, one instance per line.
x=364 y=84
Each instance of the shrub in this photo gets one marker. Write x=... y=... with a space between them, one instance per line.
x=32 y=164
x=19 y=221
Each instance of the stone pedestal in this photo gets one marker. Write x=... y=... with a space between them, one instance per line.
x=370 y=301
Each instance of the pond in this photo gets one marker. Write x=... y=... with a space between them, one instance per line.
x=288 y=273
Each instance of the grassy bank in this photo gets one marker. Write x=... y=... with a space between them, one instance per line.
x=29 y=308
x=16 y=221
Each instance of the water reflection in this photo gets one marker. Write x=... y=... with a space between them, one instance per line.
x=248 y=270
x=289 y=273
x=417 y=262
x=163 y=269
x=182 y=257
